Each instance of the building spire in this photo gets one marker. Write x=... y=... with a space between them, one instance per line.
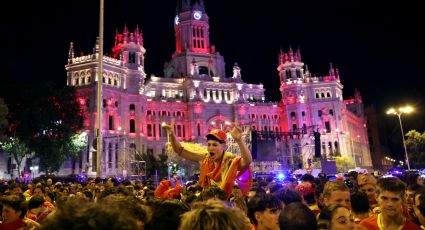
x=291 y=54
x=281 y=56
x=298 y=55
x=307 y=72
x=331 y=71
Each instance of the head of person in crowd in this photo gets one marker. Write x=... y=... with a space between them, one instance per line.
x=14 y=208
x=263 y=211
x=307 y=178
x=35 y=205
x=49 y=182
x=352 y=177
x=409 y=195
x=287 y=196
x=297 y=216
x=50 y=197
x=110 y=182
x=76 y=214
x=166 y=214
x=236 y=191
x=213 y=192
x=214 y=215
x=367 y=184
x=390 y=196
x=420 y=180
x=359 y=206
x=306 y=190
x=335 y=217
x=318 y=192
x=252 y=192
x=336 y=192
x=38 y=190
x=419 y=206
x=16 y=189
x=141 y=213
x=273 y=187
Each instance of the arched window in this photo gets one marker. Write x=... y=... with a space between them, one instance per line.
x=204 y=70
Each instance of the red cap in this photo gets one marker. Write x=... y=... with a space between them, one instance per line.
x=305 y=188
x=218 y=134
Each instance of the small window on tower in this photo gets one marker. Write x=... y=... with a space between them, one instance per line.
x=319 y=113
x=132 y=107
x=132 y=126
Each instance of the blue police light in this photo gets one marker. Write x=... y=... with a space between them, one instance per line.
x=280 y=176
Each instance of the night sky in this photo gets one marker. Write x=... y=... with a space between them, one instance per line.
x=376 y=45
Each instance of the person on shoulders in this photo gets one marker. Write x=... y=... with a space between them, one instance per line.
x=218 y=167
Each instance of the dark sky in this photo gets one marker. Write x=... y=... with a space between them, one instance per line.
x=377 y=45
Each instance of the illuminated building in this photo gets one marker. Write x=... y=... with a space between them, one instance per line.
x=196 y=93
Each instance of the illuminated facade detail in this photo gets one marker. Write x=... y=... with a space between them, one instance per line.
x=196 y=94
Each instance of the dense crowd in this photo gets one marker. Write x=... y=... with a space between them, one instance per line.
x=224 y=197
x=360 y=202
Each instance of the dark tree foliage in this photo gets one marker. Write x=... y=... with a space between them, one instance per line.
x=45 y=118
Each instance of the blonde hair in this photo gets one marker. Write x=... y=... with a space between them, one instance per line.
x=214 y=215
x=332 y=186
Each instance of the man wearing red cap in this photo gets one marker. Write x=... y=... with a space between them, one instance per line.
x=218 y=167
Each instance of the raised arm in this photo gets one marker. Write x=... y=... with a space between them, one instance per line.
x=236 y=134
x=178 y=148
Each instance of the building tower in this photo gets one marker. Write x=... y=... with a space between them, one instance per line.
x=193 y=46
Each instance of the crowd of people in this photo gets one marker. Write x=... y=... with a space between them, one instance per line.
x=225 y=197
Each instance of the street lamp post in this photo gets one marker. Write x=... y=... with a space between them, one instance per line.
x=399 y=112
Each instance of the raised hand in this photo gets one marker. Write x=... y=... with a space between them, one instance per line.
x=236 y=132
x=168 y=127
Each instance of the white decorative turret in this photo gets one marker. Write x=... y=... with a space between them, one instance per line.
x=70 y=52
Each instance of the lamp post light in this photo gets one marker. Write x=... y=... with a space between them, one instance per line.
x=399 y=112
x=33 y=168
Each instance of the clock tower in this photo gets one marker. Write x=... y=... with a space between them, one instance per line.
x=191 y=27
x=194 y=55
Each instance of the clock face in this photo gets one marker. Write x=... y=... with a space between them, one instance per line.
x=176 y=20
x=197 y=15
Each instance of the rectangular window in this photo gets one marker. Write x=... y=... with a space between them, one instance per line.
x=328 y=126
x=110 y=155
x=111 y=123
x=179 y=130
x=132 y=126
x=319 y=113
x=149 y=130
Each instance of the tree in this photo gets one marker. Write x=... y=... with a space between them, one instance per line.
x=415 y=145
x=18 y=150
x=3 y=119
x=343 y=164
x=46 y=118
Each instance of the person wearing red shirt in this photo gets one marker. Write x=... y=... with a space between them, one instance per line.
x=390 y=201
